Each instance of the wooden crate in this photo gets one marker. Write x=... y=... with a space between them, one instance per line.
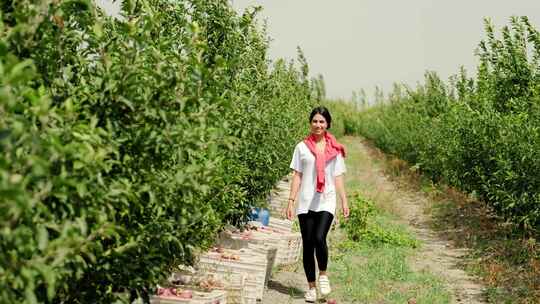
x=283 y=186
x=232 y=240
x=289 y=249
x=288 y=244
x=199 y=297
x=281 y=224
x=234 y=285
x=250 y=297
x=270 y=252
x=251 y=264
x=277 y=202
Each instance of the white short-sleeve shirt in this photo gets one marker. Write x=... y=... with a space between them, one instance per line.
x=308 y=198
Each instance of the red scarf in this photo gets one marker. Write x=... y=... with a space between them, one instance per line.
x=333 y=148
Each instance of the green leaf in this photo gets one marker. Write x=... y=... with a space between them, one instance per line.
x=42 y=237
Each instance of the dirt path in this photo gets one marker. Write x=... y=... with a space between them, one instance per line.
x=436 y=255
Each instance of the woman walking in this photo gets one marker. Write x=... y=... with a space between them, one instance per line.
x=318 y=167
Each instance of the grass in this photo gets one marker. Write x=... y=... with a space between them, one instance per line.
x=380 y=274
x=370 y=272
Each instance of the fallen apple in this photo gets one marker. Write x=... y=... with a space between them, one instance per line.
x=186 y=294
x=331 y=301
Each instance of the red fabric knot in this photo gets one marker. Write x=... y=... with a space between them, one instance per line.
x=333 y=148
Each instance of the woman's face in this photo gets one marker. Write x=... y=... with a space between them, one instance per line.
x=318 y=124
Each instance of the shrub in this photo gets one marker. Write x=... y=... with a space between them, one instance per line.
x=128 y=143
x=480 y=135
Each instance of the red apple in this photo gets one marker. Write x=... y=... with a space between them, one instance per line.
x=186 y=294
x=331 y=301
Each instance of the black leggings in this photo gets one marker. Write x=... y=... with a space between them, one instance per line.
x=314 y=227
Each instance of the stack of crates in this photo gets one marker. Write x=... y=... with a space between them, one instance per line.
x=250 y=264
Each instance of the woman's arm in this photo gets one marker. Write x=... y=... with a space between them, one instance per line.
x=295 y=185
x=342 y=195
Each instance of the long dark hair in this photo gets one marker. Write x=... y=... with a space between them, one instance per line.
x=324 y=112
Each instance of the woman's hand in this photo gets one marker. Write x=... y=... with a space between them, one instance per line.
x=295 y=185
x=345 y=210
x=289 y=211
x=343 y=196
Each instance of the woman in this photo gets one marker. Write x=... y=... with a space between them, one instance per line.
x=318 y=172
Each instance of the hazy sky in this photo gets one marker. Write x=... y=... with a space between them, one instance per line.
x=358 y=44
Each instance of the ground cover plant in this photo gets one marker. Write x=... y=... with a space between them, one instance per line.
x=127 y=143
x=367 y=224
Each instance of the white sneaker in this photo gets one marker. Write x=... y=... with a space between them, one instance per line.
x=324 y=285
x=311 y=295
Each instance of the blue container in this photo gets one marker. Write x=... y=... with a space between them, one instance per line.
x=264 y=217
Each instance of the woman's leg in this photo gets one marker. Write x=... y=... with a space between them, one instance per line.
x=323 y=221
x=307 y=225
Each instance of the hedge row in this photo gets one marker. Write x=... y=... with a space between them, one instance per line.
x=479 y=134
x=127 y=143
